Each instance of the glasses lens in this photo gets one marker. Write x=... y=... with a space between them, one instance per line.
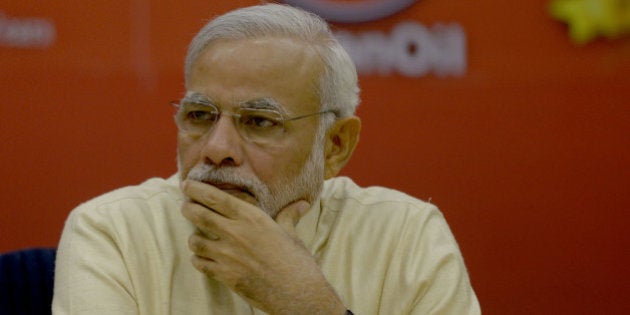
x=197 y=118
x=261 y=125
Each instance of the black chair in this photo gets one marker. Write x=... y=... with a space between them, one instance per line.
x=26 y=281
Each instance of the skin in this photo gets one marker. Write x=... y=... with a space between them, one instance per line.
x=255 y=255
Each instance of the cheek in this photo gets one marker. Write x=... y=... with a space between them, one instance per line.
x=188 y=154
x=265 y=165
x=280 y=164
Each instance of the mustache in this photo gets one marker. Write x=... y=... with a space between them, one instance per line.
x=223 y=176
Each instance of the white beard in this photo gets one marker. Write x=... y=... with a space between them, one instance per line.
x=271 y=198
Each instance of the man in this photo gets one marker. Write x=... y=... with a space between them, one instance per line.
x=267 y=117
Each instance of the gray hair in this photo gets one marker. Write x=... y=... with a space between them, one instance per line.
x=338 y=88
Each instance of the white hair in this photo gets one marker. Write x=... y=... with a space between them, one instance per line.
x=338 y=88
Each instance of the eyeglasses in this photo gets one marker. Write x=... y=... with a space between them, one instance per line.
x=261 y=126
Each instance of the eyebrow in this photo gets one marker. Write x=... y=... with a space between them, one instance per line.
x=197 y=97
x=262 y=103
x=259 y=103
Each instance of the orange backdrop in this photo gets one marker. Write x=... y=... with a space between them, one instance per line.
x=526 y=153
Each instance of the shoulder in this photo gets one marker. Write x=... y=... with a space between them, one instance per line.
x=154 y=188
x=341 y=193
x=399 y=240
x=131 y=203
x=129 y=216
x=382 y=215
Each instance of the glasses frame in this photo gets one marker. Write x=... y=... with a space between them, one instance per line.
x=236 y=117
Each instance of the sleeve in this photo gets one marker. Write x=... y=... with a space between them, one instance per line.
x=427 y=270
x=90 y=275
x=446 y=288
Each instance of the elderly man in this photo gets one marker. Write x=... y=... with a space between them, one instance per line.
x=266 y=124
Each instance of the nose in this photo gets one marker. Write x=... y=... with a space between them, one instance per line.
x=223 y=144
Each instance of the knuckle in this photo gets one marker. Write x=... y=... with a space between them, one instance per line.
x=203 y=266
x=213 y=197
x=197 y=244
x=208 y=199
x=186 y=210
x=207 y=226
x=199 y=216
x=192 y=211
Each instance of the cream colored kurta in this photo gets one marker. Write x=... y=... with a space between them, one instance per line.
x=383 y=251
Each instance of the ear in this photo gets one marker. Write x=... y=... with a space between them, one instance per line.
x=341 y=140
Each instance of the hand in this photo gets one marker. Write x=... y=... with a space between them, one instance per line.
x=260 y=259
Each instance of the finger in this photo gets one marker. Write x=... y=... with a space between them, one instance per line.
x=289 y=217
x=201 y=246
x=208 y=235
x=214 y=198
x=214 y=269
x=212 y=257
x=205 y=265
x=207 y=221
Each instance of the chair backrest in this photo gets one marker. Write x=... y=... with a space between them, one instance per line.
x=26 y=281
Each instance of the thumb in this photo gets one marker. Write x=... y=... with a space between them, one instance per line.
x=289 y=217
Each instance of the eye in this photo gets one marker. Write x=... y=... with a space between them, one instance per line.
x=200 y=116
x=260 y=120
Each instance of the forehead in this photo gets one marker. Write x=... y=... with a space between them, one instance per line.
x=231 y=72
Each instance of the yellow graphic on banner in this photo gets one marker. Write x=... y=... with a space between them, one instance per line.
x=588 y=19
